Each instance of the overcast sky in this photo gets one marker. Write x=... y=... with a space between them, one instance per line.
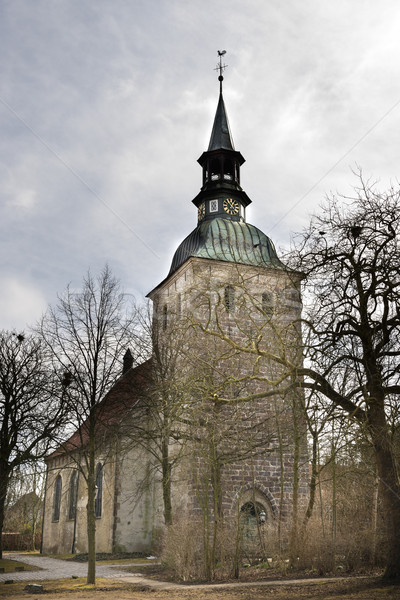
x=105 y=106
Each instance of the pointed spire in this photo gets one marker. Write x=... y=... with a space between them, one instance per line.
x=221 y=137
x=221 y=168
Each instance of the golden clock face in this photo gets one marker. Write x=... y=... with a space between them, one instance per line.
x=231 y=206
x=201 y=211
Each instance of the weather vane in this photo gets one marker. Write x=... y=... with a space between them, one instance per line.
x=220 y=67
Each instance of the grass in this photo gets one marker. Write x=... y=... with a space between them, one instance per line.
x=105 y=589
x=356 y=588
x=109 y=561
x=60 y=587
x=129 y=561
x=9 y=566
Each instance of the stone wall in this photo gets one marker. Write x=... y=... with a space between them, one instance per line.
x=65 y=535
x=138 y=510
x=265 y=312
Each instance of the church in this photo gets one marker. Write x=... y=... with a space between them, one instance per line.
x=232 y=444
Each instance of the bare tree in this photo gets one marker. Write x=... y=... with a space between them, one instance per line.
x=87 y=333
x=229 y=422
x=159 y=426
x=350 y=256
x=25 y=501
x=30 y=414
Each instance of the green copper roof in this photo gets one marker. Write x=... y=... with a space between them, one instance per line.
x=230 y=241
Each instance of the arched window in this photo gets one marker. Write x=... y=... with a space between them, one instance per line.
x=215 y=168
x=165 y=317
x=229 y=169
x=229 y=297
x=254 y=510
x=73 y=495
x=98 y=502
x=57 y=498
x=252 y=516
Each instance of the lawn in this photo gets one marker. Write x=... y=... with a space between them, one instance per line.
x=10 y=566
x=365 y=588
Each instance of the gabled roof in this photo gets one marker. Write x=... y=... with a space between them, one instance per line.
x=114 y=407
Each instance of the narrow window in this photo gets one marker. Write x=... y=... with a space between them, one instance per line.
x=165 y=317
x=98 y=502
x=179 y=305
x=228 y=169
x=57 y=498
x=73 y=494
x=237 y=173
x=229 y=298
x=267 y=302
x=215 y=169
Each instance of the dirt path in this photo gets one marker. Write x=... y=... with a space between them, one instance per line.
x=115 y=583
x=344 y=589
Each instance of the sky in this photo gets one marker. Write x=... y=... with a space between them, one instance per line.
x=106 y=105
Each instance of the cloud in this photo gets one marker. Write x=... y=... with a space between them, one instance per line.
x=114 y=102
x=21 y=303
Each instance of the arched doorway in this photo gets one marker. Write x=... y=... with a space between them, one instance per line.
x=253 y=516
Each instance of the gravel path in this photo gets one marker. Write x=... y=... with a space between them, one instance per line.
x=52 y=568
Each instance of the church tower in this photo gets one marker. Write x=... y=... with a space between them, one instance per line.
x=211 y=428
x=236 y=302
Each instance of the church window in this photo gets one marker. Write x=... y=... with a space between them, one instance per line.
x=267 y=301
x=165 y=317
x=73 y=495
x=252 y=516
x=213 y=206
x=98 y=502
x=57 y=498
x=179 y=305
x=229 y=296
x=228 y=169
x=215 y=168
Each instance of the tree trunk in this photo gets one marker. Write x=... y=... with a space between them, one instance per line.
x=282 y=480
x=4 y=479
x=91 y=533
x=293 y=539
x=389 y=489
x=334 y=497
x=91 y=515
x=166 y=483
x=217 y=507
x=374 y=519
x=313 y=486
